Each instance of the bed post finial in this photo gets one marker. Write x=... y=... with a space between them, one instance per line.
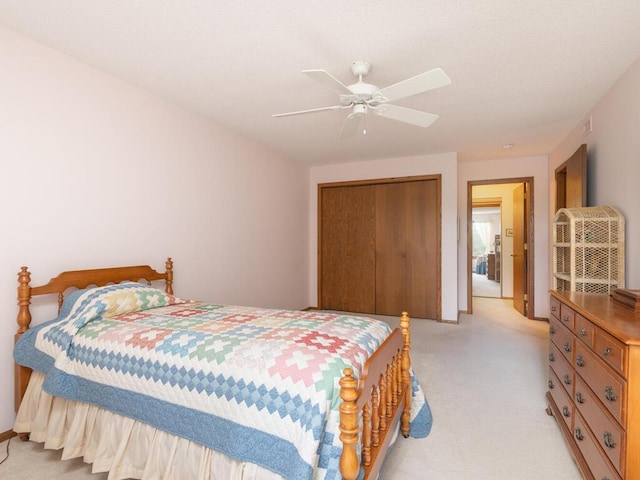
x=169 y=282
x=349 y=465
x=406 y=375
x=24 y=299
x=22 y=374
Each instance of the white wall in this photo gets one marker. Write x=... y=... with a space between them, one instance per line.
x=96 y=173
x=444 y=164
x=613 y=152
x=508 y=168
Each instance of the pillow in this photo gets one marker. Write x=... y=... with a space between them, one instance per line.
x=118 y=299
x=69 y=302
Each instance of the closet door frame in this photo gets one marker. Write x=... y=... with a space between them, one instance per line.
x=378 y=181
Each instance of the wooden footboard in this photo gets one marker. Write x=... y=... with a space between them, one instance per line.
x=381 y=400
x=74 y=279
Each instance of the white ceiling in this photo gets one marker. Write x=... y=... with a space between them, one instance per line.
x=523 y=72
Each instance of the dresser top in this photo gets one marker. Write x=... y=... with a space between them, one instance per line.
x=601 y=309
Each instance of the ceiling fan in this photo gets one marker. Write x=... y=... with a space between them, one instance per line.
x=361 y=97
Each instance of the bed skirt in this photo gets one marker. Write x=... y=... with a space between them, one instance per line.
x=121 y=446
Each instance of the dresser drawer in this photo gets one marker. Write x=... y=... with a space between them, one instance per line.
x=611 y=350
x=562 y=399
x=593 y=455
x=562 y=337
x=607 y=386
x=562 y=368
x=555 y=307
x=584 y=329
x=608 y=434
x=567 y=316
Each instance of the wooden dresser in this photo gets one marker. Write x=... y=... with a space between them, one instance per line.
x=594 y=383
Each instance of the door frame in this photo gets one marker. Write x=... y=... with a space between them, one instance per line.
x=375 y=181
x=530 y=290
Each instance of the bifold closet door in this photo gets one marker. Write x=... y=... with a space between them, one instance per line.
x=347 y=253
x=406 y=248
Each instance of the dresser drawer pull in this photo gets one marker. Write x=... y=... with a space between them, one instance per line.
x=583 y=332
x=608 y=440
x=579 y=397
x=550 y=383
x=565 y=318
x=607 y=351
x=609 y=395
x=567 y=347
x=579 y=435
x=567 y=379
x=552 y=357
x=552 y=330
x=554 y=308
x=565 y=411
x=580 y=361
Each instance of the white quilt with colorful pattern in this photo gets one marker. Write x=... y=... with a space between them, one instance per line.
x=259 y=385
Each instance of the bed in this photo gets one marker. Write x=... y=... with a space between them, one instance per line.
x=143 y=384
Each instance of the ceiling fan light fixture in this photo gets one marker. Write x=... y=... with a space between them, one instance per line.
x=360 y=108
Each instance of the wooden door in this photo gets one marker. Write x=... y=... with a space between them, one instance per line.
x=519 y=250
x=571 y=181
x=407 y=248
x=390 y=249
x=347 y=248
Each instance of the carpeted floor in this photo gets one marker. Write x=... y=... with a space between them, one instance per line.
x=483 y=287
x=485 y=380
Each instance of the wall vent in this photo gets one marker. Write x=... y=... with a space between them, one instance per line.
x=587 y=127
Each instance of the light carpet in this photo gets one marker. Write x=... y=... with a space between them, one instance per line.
x=485 y=380
x=483 y=287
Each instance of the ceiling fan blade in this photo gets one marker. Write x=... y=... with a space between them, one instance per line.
x=435 y=78
x=351 y=125
x=312 y=110
x=407 y=115
x=325 y=78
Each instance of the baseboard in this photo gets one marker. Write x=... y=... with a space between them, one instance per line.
x=309 y=309
x=7 y=435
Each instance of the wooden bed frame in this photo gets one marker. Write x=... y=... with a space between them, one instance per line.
x=382 y=395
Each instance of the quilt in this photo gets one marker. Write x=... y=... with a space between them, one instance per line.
x=260 y=385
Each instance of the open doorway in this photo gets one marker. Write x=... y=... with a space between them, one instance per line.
x=511 y=245
x=486 y=265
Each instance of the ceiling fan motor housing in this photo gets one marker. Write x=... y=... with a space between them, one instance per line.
x=362 y=92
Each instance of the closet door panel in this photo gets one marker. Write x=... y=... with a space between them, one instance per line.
x=421 y=240
x=390 y=248
x=347 y=249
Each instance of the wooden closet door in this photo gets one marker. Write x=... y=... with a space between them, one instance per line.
x=390 y=249
x=407 y=236
x=347 y=249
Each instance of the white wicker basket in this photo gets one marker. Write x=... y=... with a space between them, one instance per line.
x=588 y=249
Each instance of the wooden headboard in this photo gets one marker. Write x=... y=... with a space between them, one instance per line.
x=75 y=279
